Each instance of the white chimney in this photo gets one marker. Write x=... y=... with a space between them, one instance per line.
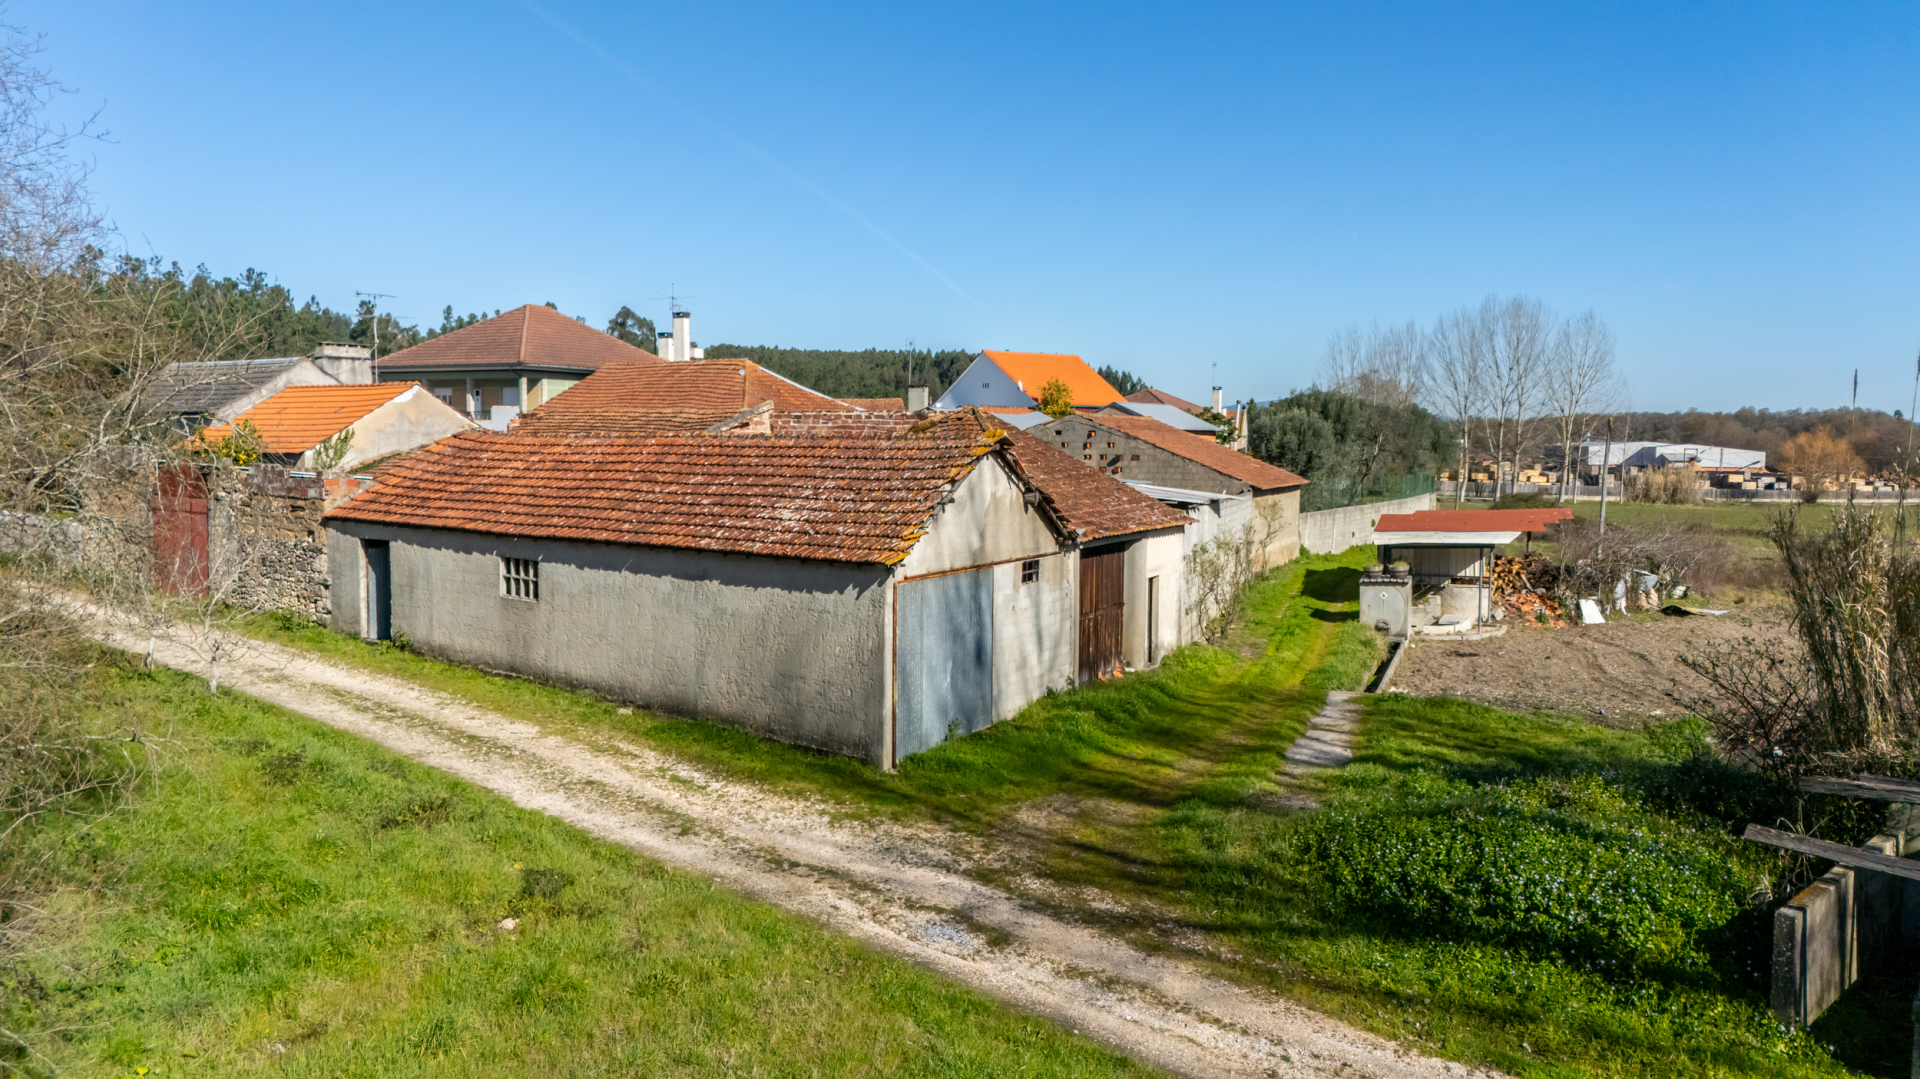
x=916 y=398
x=682 y=335
x=663 y=345
x=1216 y=398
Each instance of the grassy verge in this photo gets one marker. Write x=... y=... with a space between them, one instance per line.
x=1534 y=893
x=1165 y=789
x=288 y=899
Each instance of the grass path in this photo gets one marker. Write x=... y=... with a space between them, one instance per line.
x=906 y=888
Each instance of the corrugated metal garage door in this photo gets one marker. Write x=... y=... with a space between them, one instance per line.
x=943 y=659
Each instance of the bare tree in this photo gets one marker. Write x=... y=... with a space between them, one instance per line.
x=1521 y=333
x=83 y=336
x=1388 y=366
x=1458 y=348
x=1581 y=381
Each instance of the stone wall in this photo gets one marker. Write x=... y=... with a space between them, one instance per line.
x=267 y=545
x=1335 y=530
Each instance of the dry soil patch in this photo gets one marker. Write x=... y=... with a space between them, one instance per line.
x=1623 y=672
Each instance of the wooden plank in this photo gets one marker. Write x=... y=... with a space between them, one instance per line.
x=1833 y=852
x=1879 y=788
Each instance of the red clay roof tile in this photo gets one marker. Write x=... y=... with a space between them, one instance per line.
x=1199 y=449
x=1087 y=500
x=299 y=418
x=527 y=336
x=838 y=499
x=614 y=399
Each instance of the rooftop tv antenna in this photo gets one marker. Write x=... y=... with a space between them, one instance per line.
x=673 y=298
x=376 y=297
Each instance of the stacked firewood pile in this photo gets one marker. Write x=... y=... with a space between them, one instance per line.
x=1521 y=584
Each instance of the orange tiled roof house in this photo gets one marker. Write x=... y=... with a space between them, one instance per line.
x=871 y=595
x=296 y=425
x=1016 y=379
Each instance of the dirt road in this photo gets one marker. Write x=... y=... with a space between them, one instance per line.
x=903 y=890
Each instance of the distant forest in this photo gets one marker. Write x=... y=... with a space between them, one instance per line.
x=1880 y=439
x=873 y=372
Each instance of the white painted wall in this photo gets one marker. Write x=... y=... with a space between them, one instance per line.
x=414 y=419
x=1158 y=554
x=984 y=383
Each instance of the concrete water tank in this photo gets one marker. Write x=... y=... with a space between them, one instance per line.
x=1386 y=600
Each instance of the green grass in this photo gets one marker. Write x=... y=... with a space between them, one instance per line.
x=1167 y=792
x=288 y=899
x=1143 y=723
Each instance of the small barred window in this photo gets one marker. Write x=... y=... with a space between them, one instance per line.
x=1030 y=571
x=520 y=578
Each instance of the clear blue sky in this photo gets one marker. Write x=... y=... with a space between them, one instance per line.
x=1734 y=187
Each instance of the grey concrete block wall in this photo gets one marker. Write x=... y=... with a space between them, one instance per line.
x=790 y=648
x=1335 y=530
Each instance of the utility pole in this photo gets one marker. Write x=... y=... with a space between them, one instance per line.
x=376 y=297
x=1605 y=460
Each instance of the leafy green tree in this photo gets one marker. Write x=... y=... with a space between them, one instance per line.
x=1125 y=381
x=1056 y=399
x=634 y=329
x=450 y=322
x=1295 y=439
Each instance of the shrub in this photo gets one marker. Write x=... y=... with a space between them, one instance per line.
x=1533 y=501
x=1575 y=867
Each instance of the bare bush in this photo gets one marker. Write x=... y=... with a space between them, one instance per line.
x=1662 y=487
x=1843 y=698
x=1217 y=570
x=1675 y=554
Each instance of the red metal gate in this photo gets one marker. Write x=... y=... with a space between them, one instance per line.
x=180 y=530
x=1103 y=588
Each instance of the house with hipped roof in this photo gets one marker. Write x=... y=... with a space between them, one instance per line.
x=871 y=592
x=362 y=423
x=1016 y=379
x=498 y=367
x=687 y=397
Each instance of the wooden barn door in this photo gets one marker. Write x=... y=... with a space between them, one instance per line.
x=1103 y=590
x=180 y=531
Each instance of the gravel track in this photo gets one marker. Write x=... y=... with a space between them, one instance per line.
x=903 y=890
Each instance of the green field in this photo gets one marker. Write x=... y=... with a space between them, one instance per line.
x=1169 y=788
x=287 y=899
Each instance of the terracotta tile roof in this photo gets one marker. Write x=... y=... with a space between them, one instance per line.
x=1200 y=449
x=299 y=418
x=1085 y=499
x=527 y=336
x=1034 y=369
x=588 y=421
x=1527 y=520
x=1151 y=396
x=837 y=499
x=876 y=404
x=609 y=399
